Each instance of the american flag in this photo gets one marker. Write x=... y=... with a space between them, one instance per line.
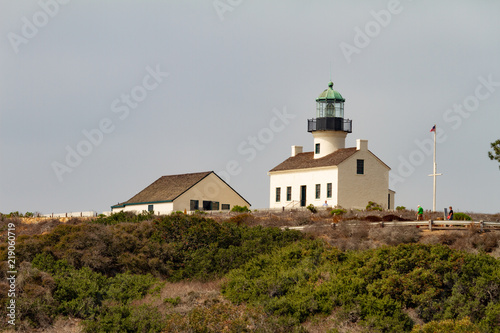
x=433 y=128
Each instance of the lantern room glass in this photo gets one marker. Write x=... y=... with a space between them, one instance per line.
x=330 y=109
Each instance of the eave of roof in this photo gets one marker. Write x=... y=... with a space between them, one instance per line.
x=307 y=160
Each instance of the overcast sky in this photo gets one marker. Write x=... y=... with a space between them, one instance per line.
x=100 y=98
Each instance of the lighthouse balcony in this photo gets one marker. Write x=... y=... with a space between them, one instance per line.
x=329 y=124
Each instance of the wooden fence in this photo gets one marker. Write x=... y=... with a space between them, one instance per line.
x=430 y=224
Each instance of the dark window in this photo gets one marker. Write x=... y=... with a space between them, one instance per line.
x=318 y=191
x=289 y=193
x=278 y=194
x=329 y=190
x=210 y=205
x=194 y=205
x=225 y=206
x=317 y=148
x=389 y=201
x=150 y=208
x=360 y=167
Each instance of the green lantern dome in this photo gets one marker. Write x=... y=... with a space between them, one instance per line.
x=329 y=113
x=330 y=94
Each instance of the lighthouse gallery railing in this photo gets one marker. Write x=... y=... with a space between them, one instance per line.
x=329 y=124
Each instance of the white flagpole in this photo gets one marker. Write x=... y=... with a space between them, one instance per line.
x=435 y=167
x=434 y=174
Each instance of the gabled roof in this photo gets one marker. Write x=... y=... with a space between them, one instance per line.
x=307 y=160
x=169 y=188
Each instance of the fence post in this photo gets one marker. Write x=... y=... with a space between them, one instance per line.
x=430 y=225
x=481 y=223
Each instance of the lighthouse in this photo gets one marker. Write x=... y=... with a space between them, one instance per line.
x=331 y=175
x=329 y=128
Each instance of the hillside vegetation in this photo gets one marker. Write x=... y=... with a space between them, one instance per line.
x=183 y=273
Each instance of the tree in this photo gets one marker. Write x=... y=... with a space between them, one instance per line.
x=495 y=154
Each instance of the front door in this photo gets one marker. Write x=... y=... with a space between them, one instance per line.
x=303 y=196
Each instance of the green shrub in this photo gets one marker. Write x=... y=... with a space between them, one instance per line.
x=399 y=208
x=85 y=294
x=373 y=206
x=463 y=325
x=80 y=292
x=312 y=209
x=202 y=248
x=126 y=318
x=122 y=216
x=174 y=301
x=240 y=209
x=338 y=211
x=372 y=287
x=461 y=217
x=127 y=287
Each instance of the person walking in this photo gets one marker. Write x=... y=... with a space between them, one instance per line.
x=450 y=214
x=420 y=213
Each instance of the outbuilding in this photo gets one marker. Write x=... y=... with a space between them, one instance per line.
x=184 y=192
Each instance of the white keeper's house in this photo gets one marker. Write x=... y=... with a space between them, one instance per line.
x=345 y=177
x=190 y=192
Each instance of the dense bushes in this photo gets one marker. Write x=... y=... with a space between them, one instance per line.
x=94 y=271
x=203 y=249
x=111 y=276
x=48 y=288
x=174 y=247
x=373 y=287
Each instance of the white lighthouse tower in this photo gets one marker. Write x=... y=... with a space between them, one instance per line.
x=329 y=128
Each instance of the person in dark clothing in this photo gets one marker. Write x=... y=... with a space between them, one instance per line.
x=450 y=214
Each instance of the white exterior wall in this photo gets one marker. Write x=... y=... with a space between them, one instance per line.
x=297 y=178
x=158 y=208
x=211 y=188
x=356 y=190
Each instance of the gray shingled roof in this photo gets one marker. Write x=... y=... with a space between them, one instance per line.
x=307 y=160
x=166 y=188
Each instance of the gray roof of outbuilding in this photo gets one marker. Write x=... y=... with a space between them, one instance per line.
x=168 y=188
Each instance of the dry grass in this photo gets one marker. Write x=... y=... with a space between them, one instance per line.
x=189 y=293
